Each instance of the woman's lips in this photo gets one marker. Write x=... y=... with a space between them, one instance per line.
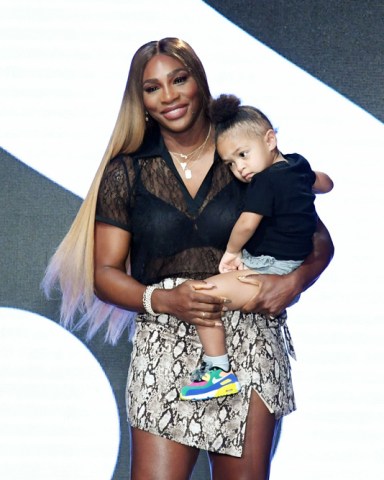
x=175 y=113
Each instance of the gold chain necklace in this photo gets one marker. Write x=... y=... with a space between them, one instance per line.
x=188 y=157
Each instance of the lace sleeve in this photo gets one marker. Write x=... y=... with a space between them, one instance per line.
x=115 y=195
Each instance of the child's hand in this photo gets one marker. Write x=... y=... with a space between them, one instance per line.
x=230 y=262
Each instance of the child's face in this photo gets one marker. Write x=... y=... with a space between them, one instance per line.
x=246 y=154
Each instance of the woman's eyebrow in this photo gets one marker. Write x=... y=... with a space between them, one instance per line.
x=170 y=74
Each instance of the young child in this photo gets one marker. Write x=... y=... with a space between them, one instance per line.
x=273 y=234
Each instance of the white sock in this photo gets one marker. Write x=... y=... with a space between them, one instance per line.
x=221 y=361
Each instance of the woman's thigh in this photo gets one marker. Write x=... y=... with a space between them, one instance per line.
x=157 y=458
x=255 y=461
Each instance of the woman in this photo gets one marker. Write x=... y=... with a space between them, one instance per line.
x=165 y=209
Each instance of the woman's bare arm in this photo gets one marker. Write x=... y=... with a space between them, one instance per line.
x=113 y=285
x=111 y=282
x=276 y=292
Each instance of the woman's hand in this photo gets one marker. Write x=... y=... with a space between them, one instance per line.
x=275 y=293
x=190 y=302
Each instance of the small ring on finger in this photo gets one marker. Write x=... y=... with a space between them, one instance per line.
x=203 y=315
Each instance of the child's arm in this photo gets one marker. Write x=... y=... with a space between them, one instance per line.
x=323 y=183
x=243 y=230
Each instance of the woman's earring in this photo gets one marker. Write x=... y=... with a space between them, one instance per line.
x=146 y=117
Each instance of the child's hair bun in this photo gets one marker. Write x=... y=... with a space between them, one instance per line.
x=224 y=108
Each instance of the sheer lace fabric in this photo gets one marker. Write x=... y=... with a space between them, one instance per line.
x=173 y=234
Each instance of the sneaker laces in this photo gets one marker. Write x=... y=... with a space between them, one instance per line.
x=197 y=375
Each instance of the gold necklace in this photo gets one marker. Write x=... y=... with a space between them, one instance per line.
x=188 y=157
x=183 y=165
x=185 y=156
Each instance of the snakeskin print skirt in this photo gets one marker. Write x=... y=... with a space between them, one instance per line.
x=165 y=352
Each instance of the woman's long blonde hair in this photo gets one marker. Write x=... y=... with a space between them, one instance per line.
x=71 y=268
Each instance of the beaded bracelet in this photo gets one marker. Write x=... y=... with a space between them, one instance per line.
x=147 y=300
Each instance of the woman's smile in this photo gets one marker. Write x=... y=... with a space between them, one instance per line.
x=176 y=112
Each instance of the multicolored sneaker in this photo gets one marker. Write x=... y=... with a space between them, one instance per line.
x=210 y=382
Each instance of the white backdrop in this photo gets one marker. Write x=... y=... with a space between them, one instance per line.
x=63 y=69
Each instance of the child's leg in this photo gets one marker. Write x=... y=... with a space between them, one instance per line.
x=214 y=377
x=212 y=340
x=219 y=380
x=214 y=348
x=227 y=285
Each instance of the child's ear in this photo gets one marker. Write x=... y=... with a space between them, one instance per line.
x=270 y=139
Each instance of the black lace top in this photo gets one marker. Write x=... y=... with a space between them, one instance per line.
x=173 y=234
